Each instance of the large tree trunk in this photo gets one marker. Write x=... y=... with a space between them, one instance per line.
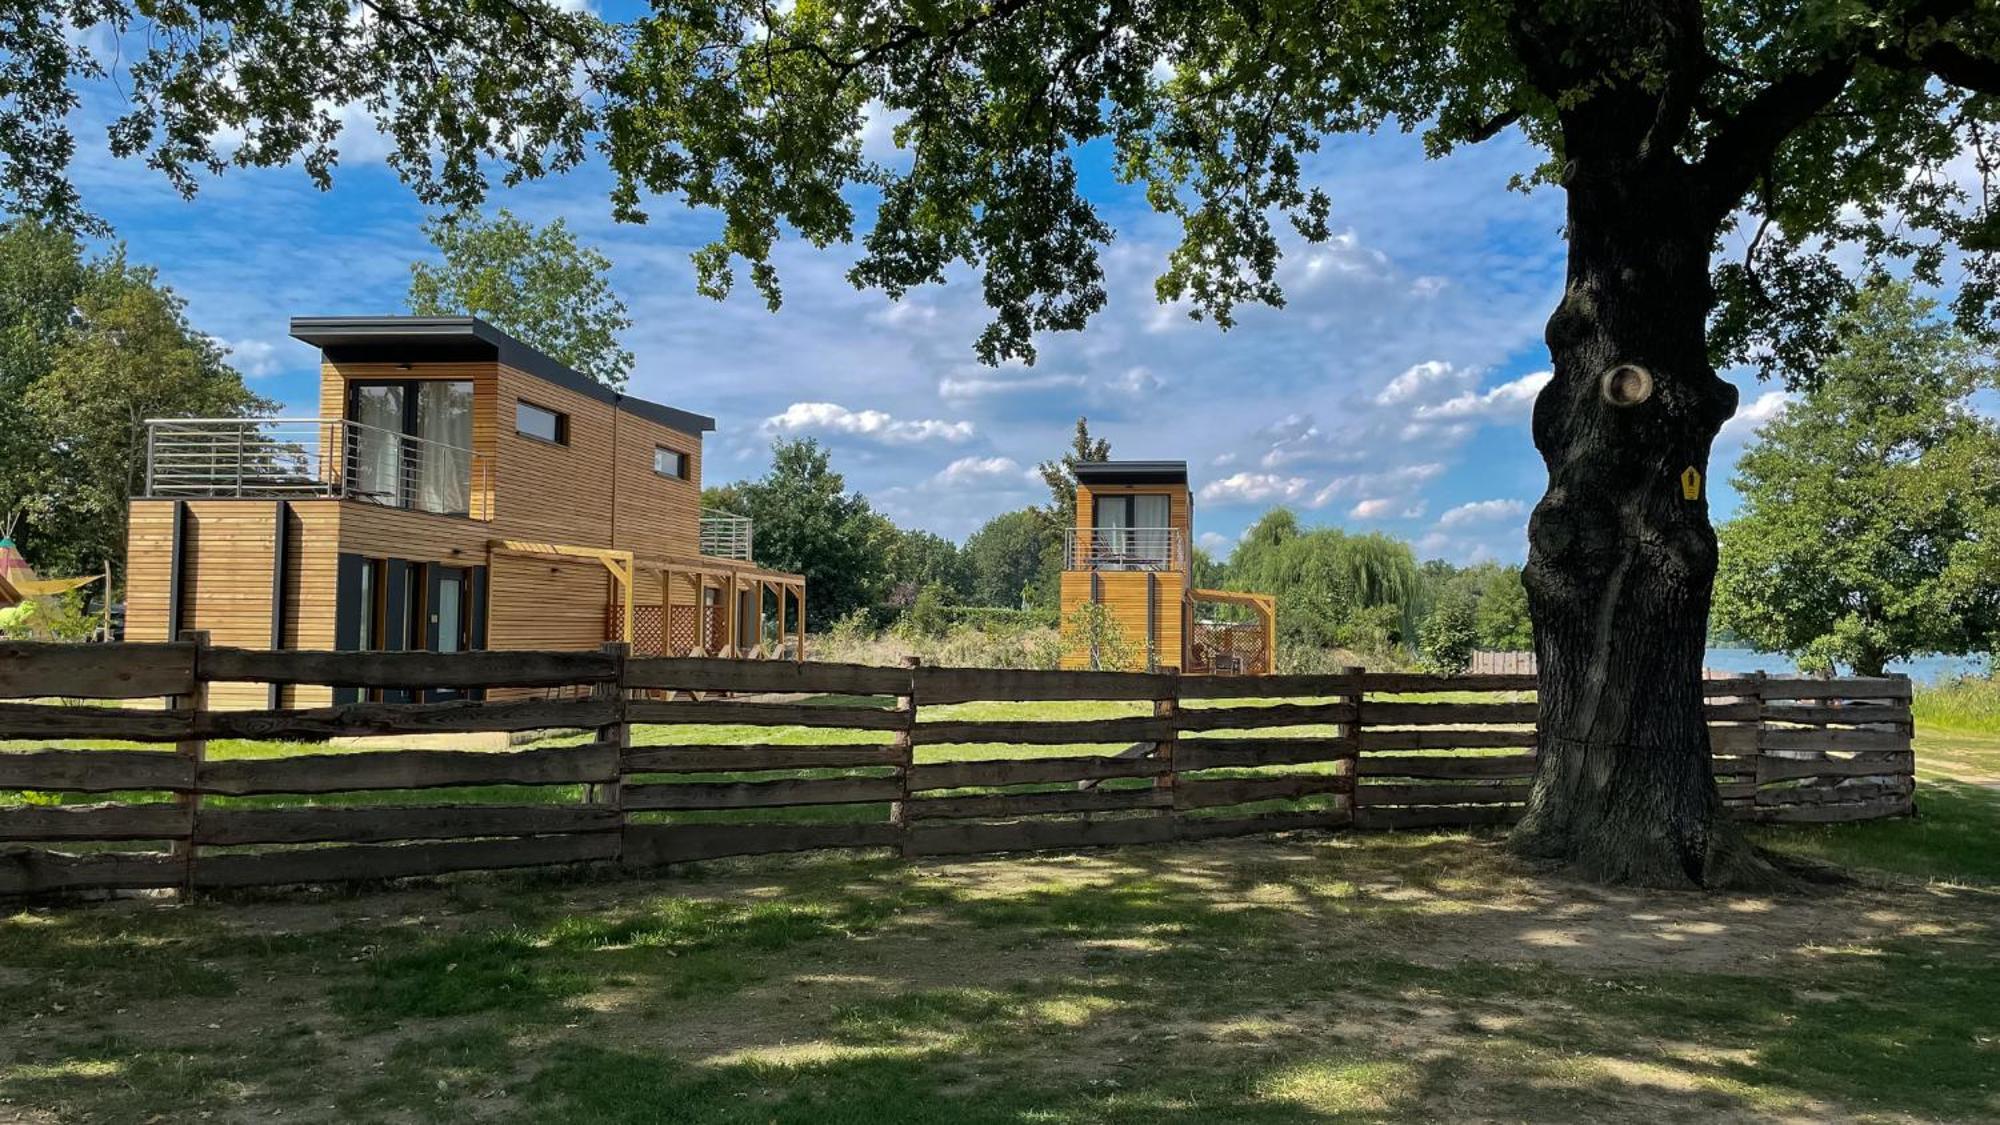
x=1621 y=562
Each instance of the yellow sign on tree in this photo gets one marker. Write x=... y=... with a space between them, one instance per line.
x=1691 y=483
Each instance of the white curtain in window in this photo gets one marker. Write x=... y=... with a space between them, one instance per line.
x=444 y=456
x=376 y=473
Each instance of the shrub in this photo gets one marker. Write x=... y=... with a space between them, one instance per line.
x=1090 y=629
x=1448 y=635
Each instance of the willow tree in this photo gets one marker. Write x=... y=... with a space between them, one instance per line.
x=1669 y=124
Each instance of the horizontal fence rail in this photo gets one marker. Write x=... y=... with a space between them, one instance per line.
x=665 y=762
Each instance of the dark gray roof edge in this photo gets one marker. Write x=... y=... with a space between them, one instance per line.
x=332 y=331
x=1132 y=472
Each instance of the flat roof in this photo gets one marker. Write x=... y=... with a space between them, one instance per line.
x=391 y=339
x=1132 y=472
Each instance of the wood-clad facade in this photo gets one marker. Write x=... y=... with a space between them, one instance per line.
x=1131 y=552
x=528 y=543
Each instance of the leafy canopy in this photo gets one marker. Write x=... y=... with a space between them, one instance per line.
x=539 y=285
x=1870 y=528
x=1815 y=123
x=92 y=349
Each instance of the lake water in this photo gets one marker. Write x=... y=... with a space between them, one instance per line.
x=1924 y=670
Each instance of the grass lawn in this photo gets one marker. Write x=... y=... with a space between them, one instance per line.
x=1358 y=977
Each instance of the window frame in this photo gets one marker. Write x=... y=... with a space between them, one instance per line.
x=685 y=462
x=561 y=423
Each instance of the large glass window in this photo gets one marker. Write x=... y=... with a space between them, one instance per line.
x=410 y=444
x=1132 y=531
x=377 y=470
x=444 y=450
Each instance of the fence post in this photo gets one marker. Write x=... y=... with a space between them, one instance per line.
x=904 y=746
x=619 y=735
x=1169 y=708
x=194 y=751
x=1756 y=696
x=1350 y=766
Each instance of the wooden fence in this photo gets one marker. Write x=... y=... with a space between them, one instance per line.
x=1167 y=757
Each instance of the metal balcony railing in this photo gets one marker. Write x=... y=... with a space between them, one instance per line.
x=296 y=458
x=725 y=536
x=1125 y=548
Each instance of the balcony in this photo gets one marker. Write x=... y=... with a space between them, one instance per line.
x=1125 y=548
x=313 y=458
x=725 y=536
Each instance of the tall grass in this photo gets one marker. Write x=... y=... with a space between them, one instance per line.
x=1967 y=703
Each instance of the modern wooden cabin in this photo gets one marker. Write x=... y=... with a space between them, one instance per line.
x=458 y=490
x=1129 y=551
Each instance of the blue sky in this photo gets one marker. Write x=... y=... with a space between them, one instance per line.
x=1391 y=394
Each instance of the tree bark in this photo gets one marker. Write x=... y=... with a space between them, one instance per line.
x=1621 y=561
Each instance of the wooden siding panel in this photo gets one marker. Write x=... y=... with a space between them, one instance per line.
x=149 y=545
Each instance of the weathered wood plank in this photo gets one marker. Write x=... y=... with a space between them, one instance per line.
x=746 y=758
x=1821 y=739
x=1030 y=771
x=1848 y=687
x=1733 y=739
x=966 y=685
x=31 y=871
x=1851 y=715
x=92 y=822
x=653 y=845
x=762 y=794
x=95 y=771
x=1211 y=827
x=595 y=762
x=1447 y=768
x=460 y=716
x=1733 y=765
x=1412 y=683
x=1733 y=711
x=1258 y=718
x=1867 y=764
x=1376 y=713
x=1836 y=813
x=354 y=862
x=1377 y=795
x=31 y=669
x=697 y=673
x=1193 y=754
x=408 y=669
x=730 y=712
x=1736 y=790
x=1037 y=804
x=1138 y=728
x=1207 y=793
x=967 y=838
x=396 y=822
x=1293 y=686
x=56 y=721
x=1446 y=739
x=1435 y=816
x=1834 y=793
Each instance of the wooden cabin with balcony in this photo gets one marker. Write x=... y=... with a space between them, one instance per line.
x=1129 y=552
x=457 y=490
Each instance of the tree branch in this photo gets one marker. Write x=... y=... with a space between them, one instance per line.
x=1743 y=144
x=1491 y=127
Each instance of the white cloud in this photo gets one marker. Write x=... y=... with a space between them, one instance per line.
x=1744 y=423
x=984 y=385
x=1373 y=508
x=1482 y=511
x=1252 y=488
x=1214 y=542
x=255 y=359
x=1504 y=402
x=830 y=417
x=1425 y=380
x=971 y=470
x=1400 y=479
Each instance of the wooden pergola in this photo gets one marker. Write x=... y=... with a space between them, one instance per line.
x=631 y=575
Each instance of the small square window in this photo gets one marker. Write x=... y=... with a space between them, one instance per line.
x=670 y=462
x=540 y=423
